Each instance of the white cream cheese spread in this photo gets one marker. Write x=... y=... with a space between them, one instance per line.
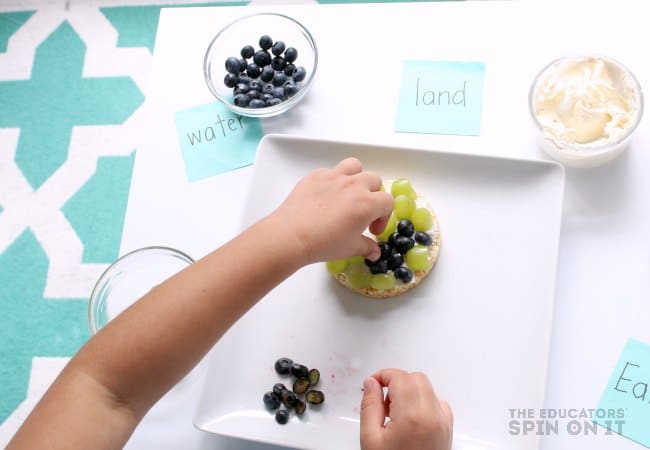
x=590 y=101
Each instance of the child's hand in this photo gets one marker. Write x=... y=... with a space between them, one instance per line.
x=329 y=209
x=418 y=420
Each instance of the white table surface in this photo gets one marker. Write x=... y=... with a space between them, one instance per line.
x=603 y=281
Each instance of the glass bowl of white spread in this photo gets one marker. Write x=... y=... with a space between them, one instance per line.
x=586 y=109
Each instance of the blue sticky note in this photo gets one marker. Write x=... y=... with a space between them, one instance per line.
x=214 y=140
x=441 y=97
x=626 y=400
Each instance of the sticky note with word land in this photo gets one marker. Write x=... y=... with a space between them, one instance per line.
x=214 y=140
x=441 y=97
x=627 y=397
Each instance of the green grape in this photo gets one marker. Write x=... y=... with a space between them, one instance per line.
x=403 y=207
x=355 y=261
x=389 y=229
x=422 y=219
x=382 y=188
x=359 y=277
x=418 y=258
x=337 y=266
x=382 y=281
x=402 y=186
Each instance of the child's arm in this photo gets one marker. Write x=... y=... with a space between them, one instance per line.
x=106 y=389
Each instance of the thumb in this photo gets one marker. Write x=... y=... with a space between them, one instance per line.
x=372 y=414
x=367 y=248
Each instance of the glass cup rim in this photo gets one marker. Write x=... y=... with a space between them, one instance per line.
x=594 y=150
x=101 y=281
x=268 y=111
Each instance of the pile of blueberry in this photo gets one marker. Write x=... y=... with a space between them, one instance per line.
x=281 y=395
x=393 y=252
x=259 y=78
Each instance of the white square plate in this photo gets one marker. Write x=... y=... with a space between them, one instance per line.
x=479 y=325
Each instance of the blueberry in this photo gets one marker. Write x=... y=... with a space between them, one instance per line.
x=230 y=80
x=268 y=89
x=289 y=69
x=290 y=90
x=266 y=42
x=299 y=74
x=253 y=70
x=278 y=92
x=243 y=78
x=267 y=74
x=254 y=84
x=290 y=54
x=273 y=101
x=267 y=97
x=271 y=401
x=278 y=48
x=385 y=250
x=394 y=261
x=242 y=65
x=242 y=88
x=403 y=274
x=405 y=228
x=262 y=58
x=279 y=79
x=299 y=370
x=282 y=416
x=241 y=100
x=391 y=239
x=254 y=93
x=232 y=65
x=283 y=366
x=278 y=388
x=256 y=103
x=247 y=52
x=380 y=266
x=403 y=244
x=423 y=238
x=278 y=63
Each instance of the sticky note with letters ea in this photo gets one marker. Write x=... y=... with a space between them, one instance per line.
x=628 y=395
x=214 y=140
x=441 y=97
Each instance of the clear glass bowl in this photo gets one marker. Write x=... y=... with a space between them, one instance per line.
x=588 y=154
x=129 y=278
x=247 y=31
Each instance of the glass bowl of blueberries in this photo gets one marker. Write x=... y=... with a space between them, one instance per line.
x=261 y=65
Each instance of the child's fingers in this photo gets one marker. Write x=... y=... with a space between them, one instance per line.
x=349 y=166
x=367 y=248
x=377 y=226
x=372 y=414
x=370 y=180
x=446 y=410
